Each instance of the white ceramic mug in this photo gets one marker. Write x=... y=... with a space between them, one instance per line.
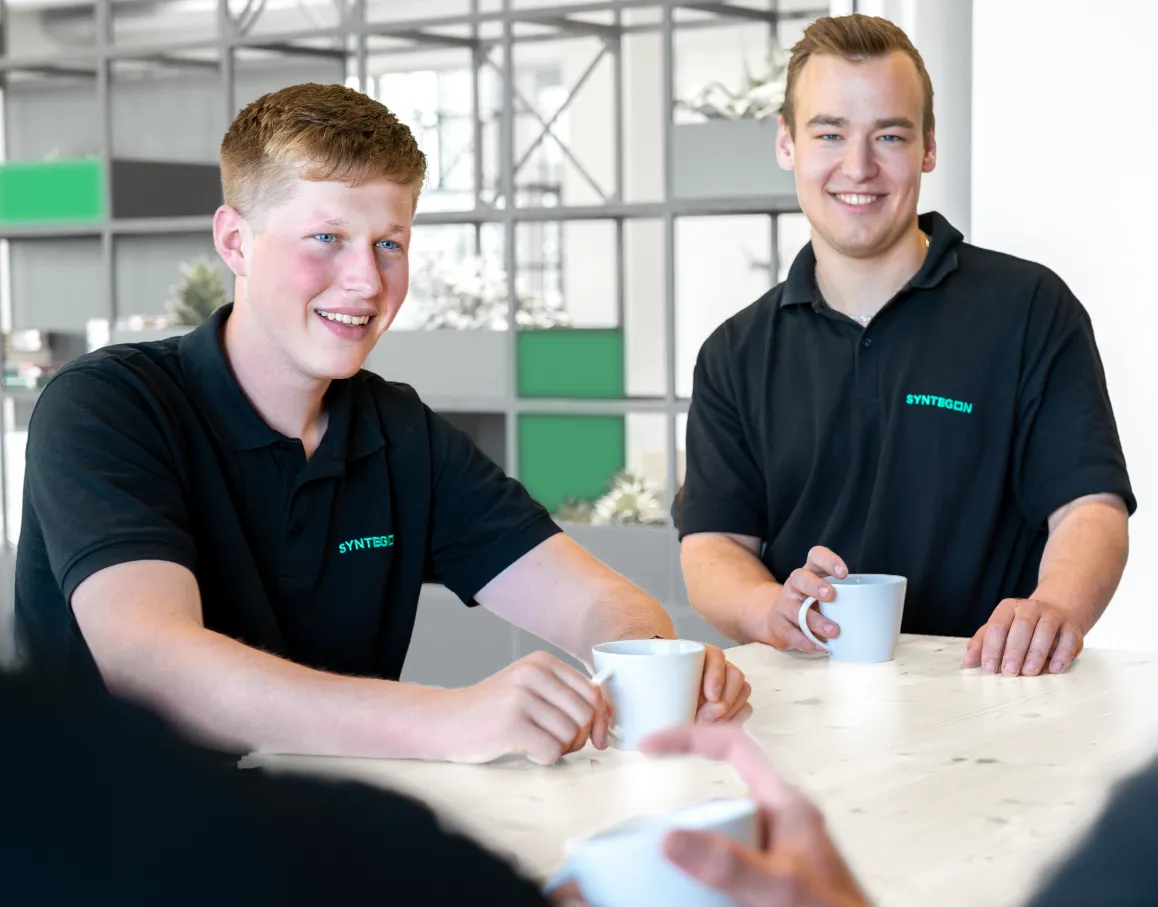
x=624 y=866
x=654 y=684
x=868 y=608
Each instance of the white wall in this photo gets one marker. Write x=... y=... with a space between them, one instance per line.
x=940 y=30
x=1063 y=141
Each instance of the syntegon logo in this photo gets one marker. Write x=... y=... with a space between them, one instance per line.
x=369 y=541
x=943 y=402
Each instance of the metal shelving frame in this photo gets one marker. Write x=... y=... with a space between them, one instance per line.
x=353 y=36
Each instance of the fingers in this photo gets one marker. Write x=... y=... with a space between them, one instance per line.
x=804 y=584
x=715 y=673
x=539 y=745
x=972 y=656
x=600 y=726
x=735 y=693
x=720 y=864
x=742 y=714
x=1018 y=639
x=1040 y=645
x=996 y=630
x=1022 y=637
x=580 y=705
x=786 y=635
x=727 y=743
x=824 y=562
x=1069 y=645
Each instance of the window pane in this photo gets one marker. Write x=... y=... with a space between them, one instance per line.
x=721 y=268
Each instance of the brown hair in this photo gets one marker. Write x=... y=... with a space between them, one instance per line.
x=315 y=132
x=856 y=37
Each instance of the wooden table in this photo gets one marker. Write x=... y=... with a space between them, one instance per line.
x=942 y=785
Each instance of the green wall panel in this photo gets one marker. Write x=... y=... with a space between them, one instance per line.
x=52 y=190
x=569 y=456
x=571 y=362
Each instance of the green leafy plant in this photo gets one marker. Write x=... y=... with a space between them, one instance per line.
x=199 y=293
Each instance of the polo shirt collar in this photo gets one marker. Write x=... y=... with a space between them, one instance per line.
x=238 y=425
x=800 y=287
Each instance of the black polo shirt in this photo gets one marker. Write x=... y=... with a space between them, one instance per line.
x=152 y=451
x=935 y=443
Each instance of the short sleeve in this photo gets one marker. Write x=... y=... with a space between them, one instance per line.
x=724 y=487
x=483 y=520
x=1067 y=443
x=100 y=479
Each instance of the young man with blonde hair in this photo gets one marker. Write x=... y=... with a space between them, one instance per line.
x=234 y=527
x=903 y=403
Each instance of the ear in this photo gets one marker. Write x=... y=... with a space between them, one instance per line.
x=930 y=159
x=785 y=146
x=232 y=237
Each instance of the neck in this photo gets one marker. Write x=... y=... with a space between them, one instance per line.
x=863 y=286
x=286 y=401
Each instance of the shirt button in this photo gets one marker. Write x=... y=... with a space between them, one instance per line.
x=866 y=342
x=296 y=529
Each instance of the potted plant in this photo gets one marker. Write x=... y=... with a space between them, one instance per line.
x=192 y=300
x=725 y=147
x=626 y=528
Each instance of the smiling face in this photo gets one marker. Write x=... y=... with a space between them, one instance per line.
x=858 y=152
x=321 y=275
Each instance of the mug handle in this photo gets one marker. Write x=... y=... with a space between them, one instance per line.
x=802 y=619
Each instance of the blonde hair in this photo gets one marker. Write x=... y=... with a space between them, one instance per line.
x=856 y=37
x=314 y=132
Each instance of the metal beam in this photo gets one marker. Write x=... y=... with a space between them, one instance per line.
x=301 y=50
x=734 y=12
x=63 y=71
x=547 y=126
x=420 y=36
x=577 y=27
x=180 y=62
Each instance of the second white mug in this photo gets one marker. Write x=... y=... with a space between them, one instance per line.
x=868 y=608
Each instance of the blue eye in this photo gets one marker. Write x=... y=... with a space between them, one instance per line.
x=327 y=238
x=893 y=138
x=391 y=245
x=830 y=135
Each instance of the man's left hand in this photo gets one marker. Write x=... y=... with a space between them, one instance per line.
x=724 y=694
x=1024 y=636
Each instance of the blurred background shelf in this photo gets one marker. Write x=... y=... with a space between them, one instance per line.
x=65 y=192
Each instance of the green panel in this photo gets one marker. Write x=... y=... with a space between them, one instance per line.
x=570 y=362
x=569 y=456
x=52 y=191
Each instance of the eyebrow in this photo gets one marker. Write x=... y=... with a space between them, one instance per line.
x=823 y=119
x=393 y=228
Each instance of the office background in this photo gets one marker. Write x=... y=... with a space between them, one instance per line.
x=572 y=185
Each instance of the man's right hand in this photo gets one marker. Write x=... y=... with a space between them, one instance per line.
x=781 y=629
x=796 y=864
x=538 y=707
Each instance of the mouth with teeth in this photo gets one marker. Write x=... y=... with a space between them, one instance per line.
x=339 y=318
x=858 y=201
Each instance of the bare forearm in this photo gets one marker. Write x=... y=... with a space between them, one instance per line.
x=240 y=699
x=622 y=610
x=1083 y=561
x=727 y=585
x=561 y=593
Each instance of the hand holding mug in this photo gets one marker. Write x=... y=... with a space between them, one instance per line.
x=782 y=627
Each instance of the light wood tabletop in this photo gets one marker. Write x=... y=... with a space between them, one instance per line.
x=941 y=784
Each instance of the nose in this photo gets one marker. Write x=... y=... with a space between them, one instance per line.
x=859 y=164
x=360 y=273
